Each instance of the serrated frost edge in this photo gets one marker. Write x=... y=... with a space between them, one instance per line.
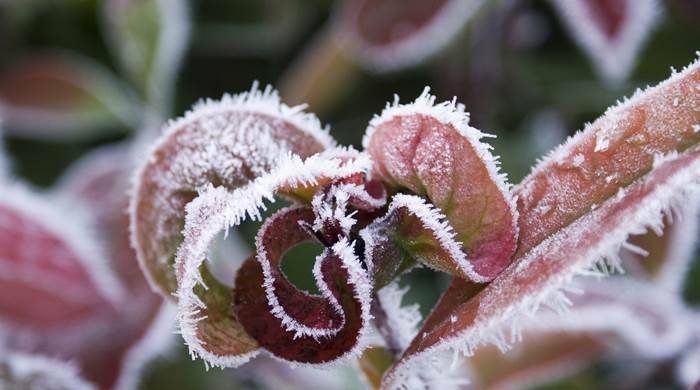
x=597 y=261
x=216 y=209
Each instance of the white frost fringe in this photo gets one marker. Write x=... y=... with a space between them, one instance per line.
x=217 y=209
x=432 y=220
x=452 y=114
x=612 y=58
x=40 y=372
x=403 y=321
x=251 y=139
x=608 y=121
x=681 y=187
x=266 y=101
x=73 y=230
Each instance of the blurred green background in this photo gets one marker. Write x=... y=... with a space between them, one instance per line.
x=515 y=68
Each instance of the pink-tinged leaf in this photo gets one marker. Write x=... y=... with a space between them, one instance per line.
x=62 y=97
x=431 y=150
x=294 y=325
x=25 y=371
x=610 y=32
x=113 y=345
x=209 y=328
x=665 y=259
x=38 y=253
x=572 y=218
x=393 y=34
x=226 y=143
x=149 y=38
x=612 y=152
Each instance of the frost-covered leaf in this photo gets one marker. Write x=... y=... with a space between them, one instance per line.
x=63 y=97
x=394 y=34
x=396 y=322
x=20 y=371
x=226 y=143
x=665 y=259
x=610 y=32
x=209 y=328
x=50 y=273
x=297 y=326
x=149 y=37
x=575 y=212
x=431 y=150
x=612 y=152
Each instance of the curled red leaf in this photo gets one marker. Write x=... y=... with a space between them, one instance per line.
x=214 y=211
x=226 y=143
x=298 y=326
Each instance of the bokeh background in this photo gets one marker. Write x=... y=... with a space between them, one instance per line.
x=514 y=65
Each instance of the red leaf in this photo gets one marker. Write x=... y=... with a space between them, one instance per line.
x=51 y=274
x=111 y=343
x=294 y=325
x=203 y=304
x=570 y=219
x=432 y=151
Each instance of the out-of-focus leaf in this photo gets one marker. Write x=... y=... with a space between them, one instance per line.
x=110 y=343
x=149 y=38
x=620 y=314
x=50 y=274
x=539 y=359
x=394 y=34
x=20 y=371
x=610 y=32
x=63 y=97
x=577 y=208
x=665 y=259
x=4 y=160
